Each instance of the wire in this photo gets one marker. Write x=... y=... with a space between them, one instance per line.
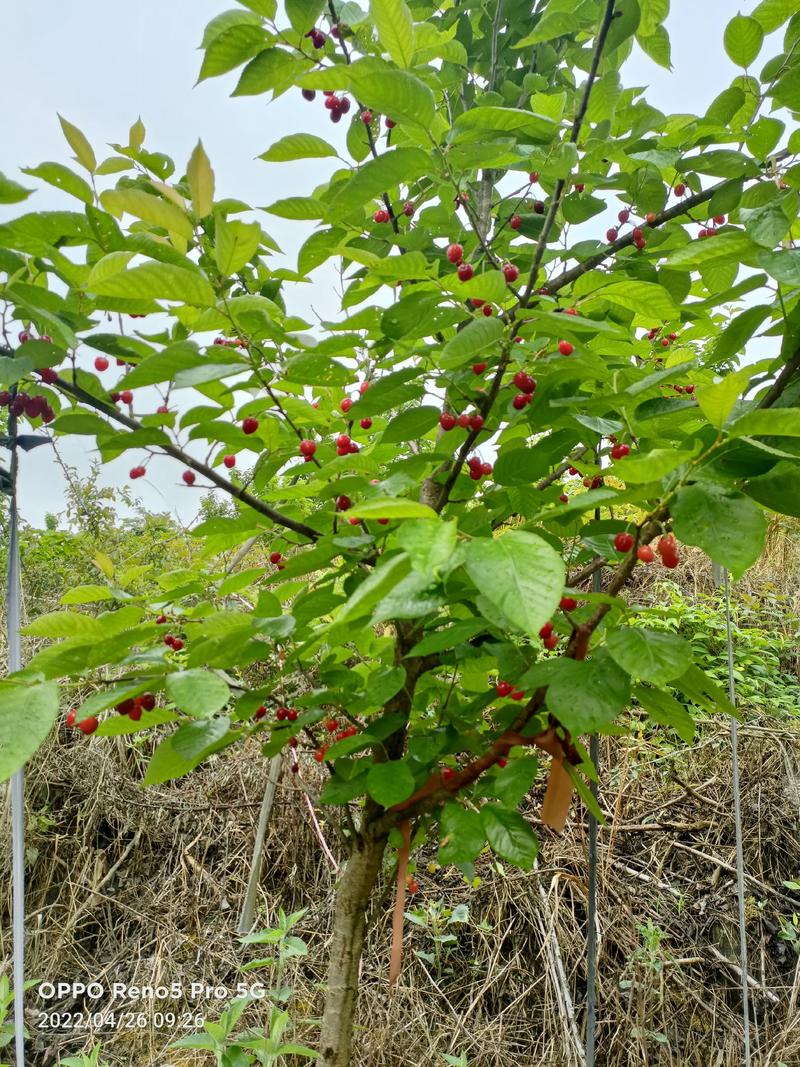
x=737 y=816
x=18 y=780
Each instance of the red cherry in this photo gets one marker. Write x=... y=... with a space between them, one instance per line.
x=638 y=234
x=504 y=689
x=579 y=187
x=533 y=177
x=623 y=215
x=275 y=557
x=343 y=441
x=690 y=389
x=719 y=219
x=292 y=715
x=510 y=272
x=23 y=336
x=366 y=116
x=486 y=469
x=568 y=603
x=564 y=498
x=624 y=542
x=88 y=726
x=249 y=425
x=465 y=271
x=551 y=642
x=612 y=234
x=162 y=409
x=413 y=886
x=161 y=619
x=177 y=644
x=148 y=701
x=408 y=209
x=487 y=308
x=308 y=94
x=229 y=461
x=520 y=400
x=476 y=302
x=650 y=218
x=101 y=363
x=463 y=420
x=538 y=207
x=679 y=189
x=455 y=253
x=308 y=448
x=381 y=215
x=363 y=387
x=126 y=396
x=447 y=421
x=343 y=503
x=365 y=423
x=71 y=714
x=479 y=368
x=189 y=477
x=565 y=348
x=136 y=472
x=476 y=422
x=346 y=404
x=515 y=222
x=448 y=774
x=518 y=694
x=645 y=553
x=319 y=755
x=389 y=124
x=502 y=762
x=49 y=376
x=546 y=630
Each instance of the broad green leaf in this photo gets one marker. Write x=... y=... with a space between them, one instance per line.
x=12 y=192
x=718 y=401
x=769 y=422
x=644 y=298
x=651 y=466
x=461 y=834
x=732 y=245
x=664 y=709
x=27 y=713
x=166 y=764
x=236 y=243
x=538 y=128
x=149 y=208
x=87 y=594
x=778 y=489
x=272 y=70
x=298 y=146
x=65 y=624
x=374 y=587
x=773 y=13
x=467 y=343
x=107 y=266
x=197 y=692
x=657 y=46
x=727 y=525
x=510 y=836
x=519 y=573
x=231 y=48
x=77 y=141
x=390 y=783
x=395 y=27
x=400 y=166
x=391 y=508
x=201 y=181
x=411 y=424
x=164 y=366
x=743 y=39
x=430 y=546
x=737 y=333
x=396 y=93
x=195 y=738
x=586 y=695
x=651 y=655
x=303 y=14
x=653 y=14
x=159 y=281
x=763 y=136
x=297 y=208
x=62 y=178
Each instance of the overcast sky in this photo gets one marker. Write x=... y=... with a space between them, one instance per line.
x=102 y=64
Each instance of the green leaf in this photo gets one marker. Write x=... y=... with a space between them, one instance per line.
x=64 y=624
x=737 y=333
x=236 y=243
x=743 y=39
x=159 y=281
x=12 y=192
x=467 y=343
x=385 y=507
x=62 y=178
x=197 y=692
x=728 y=526
x=519 y=573
x=298 y=208
x=27 y=713
x=430 y=546
x=704 y=692
x=538 y=128
x=77 y=141
x=461 y=834
x=167 y=764
x=732 y=245
x=718 y=401
x=298 y=146
x=784 y=266
x=149 y=208
x=772 y=422
x=586 y=695
x=650 y=655
x=653 y=14
x=664 y=709
x=273 y=69
x=650 y=466
x=390 y=783
x=778 y=489
x=400 y=166
x=201 y=181
x=769 y=223
x=231 y=48
x=164 y=366
x=763 y=136
x=87 y=594
x=395 y=93
x=510 y=836
x=410 y=425
x=773 y=13
x=303 y=14
x=193 y=739
x=395 y=28
x=657 y=46
x=644 y=298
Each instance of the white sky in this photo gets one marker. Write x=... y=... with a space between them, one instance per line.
x=101 y=65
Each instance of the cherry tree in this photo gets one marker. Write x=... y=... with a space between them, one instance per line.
x=535 y=378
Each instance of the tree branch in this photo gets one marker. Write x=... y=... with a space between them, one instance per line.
x=788 y=372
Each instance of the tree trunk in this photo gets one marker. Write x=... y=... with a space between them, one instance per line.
x=349 y=927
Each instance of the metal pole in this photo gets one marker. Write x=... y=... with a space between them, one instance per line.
x=591 y=934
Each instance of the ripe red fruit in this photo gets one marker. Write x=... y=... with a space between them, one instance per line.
x=352 y=447
x=366 y=116
x=309 y=94
x=177 y=644
x=49 y=376
x=362 y=388
x=389 y=124
x=346 y=404
x=148 y=701
x=640 y=242
x=161 y=619
x=343 y=503
x=447 y=421
x=229 y=462
x=612 y=234
x=101 y=363
x=308 y=448
x=319 y=755
x=524 y=382
x=486 y=469
x=479 y=368
x=518 y=694
x=249 y=425
x=623 y=215
x=413 y=886
x=564 y=498
x=650 y=218
x=71 y=714
x=551 y=642
x=23 y=336
x=719 y=219
x=189 y=477
x=331 y=726
x=690 y=389
x=638 y=234
x=408 y=209
x=455 y=253
x=292 y=714
x=88 y=726
x=275 y=557
x=623 y=542
x=126 y=396
x=619 y=451
x=520 y=400
x=365 y=423
x=381 y=215
x=533 y=176
x=667 y=548
x=538 y=207
x=546 y=630
x=510 y=272
x=476 y=422
x=463 y=420
x=504 y=689
x=136 y=472
x=568 y=603
x=515 y=222
x=502 y=762
x=465 y=271
x=579 y=187
x=448 y=773
x=487 y=308
x=679 y=189
x=343 y=441
x=565 y=348
x=645 y=554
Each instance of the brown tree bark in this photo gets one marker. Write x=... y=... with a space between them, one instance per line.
x=349 y=927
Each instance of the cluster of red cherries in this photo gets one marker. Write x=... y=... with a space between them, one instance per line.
x=132 y=707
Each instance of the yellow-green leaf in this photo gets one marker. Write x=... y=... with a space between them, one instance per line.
x=236 y=243
x=149 y=208
x=201 y=181
x=77 y=141
x=395 y=28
